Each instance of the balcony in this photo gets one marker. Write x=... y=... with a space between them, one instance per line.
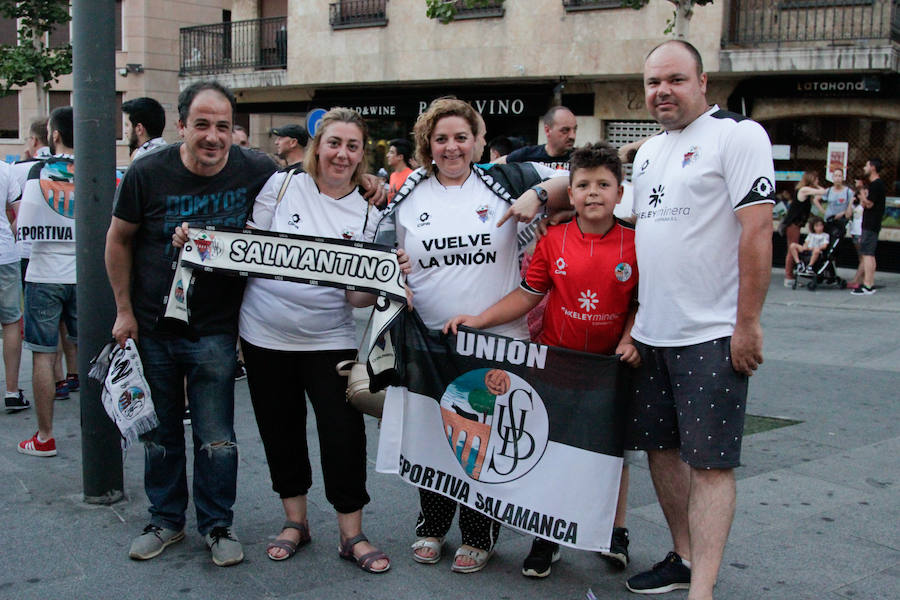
x=349 y=14
x=225 y=47
x=579 y=5
x=786 y=22
x=494 y=8
x=811 y=35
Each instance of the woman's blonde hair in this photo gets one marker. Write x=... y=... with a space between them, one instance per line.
x=425 y=124
x=809 y=179
x=338 y=114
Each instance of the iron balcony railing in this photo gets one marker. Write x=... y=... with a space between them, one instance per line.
x=494 y=8
x=224 y=47
x=577 y=5
x=784 y=21
x=347 y=14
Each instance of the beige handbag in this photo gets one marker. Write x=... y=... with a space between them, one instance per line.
x=358 y=394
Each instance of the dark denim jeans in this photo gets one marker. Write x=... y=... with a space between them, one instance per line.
x=208 y=365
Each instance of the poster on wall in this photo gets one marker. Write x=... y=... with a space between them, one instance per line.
x=836 y=158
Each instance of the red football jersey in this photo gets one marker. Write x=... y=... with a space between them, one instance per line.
x=591 y=280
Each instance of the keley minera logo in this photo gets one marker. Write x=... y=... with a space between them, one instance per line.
x=656 y=196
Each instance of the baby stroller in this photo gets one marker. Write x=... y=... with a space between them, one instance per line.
x=825 y=269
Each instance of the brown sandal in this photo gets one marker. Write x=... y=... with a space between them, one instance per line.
x=345 y=551
x=287 y=545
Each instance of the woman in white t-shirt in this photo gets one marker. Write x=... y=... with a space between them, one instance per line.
x=293 y=335
x=460 y=262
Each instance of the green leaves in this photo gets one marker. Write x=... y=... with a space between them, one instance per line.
x=445 y=10
x=31 y=60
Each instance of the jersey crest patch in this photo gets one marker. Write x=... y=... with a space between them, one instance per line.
x=691 y=156
x=483 y=212
x=623 y=272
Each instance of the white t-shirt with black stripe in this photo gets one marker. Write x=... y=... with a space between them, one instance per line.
x=286 y=315
x=688 y=185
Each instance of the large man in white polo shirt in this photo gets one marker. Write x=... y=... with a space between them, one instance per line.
x=703 y=195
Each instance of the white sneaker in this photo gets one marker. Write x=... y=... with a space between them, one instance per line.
x=789 y=283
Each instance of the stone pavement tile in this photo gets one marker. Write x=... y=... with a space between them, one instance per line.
x=805 y=558
x=778 y=449
x=876 y=520
x=774 y=500
x=884 y=585
x=871 y=469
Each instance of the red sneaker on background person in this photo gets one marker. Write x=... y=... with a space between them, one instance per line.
x=37 y=447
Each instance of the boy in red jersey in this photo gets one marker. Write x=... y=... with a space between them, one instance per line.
x=589 y=270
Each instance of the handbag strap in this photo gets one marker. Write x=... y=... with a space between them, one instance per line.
x=284 y=185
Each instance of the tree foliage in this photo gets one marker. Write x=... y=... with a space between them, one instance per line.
x=31 y=60
x=445 y=10
x=681 y=16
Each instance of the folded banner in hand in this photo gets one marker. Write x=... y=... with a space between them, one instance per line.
x=330 y=262
x=530 y=435
x=126 y=394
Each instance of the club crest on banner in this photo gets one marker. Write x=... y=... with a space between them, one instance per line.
x=496 y=424
x=208 y=247
x=131 y=401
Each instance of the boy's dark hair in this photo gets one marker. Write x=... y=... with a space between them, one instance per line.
x=62 y=120
x=148 y=112
x=502 y=144
x=876 y=163
x=404 y=149
x=186 y=97
x=598 y=154
x=813 y=220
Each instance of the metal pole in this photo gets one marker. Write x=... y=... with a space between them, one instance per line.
x=95 y=159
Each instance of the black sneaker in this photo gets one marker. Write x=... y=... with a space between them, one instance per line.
x=17 y=402
x=665 y=576
x=618 y=548
x=542 y=555
x=239 y=371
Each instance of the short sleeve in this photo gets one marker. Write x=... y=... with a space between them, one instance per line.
x=127 y=204
x=747 y=166
x=13 y=191
x=266 y=201
x=537 y=278
x=546 y=172
x=373 y=216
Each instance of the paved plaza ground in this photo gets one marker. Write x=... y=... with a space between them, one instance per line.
x=818 y=514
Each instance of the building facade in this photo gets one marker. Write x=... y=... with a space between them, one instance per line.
x=811 y=71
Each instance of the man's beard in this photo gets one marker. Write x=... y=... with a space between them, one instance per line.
x=133 y=143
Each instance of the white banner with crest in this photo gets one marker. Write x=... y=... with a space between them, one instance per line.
x=344 y=264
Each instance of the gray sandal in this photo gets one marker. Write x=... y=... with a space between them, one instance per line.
x=345 y=551
x=287 y=545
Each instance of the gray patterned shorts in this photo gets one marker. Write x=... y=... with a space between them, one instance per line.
x=689 y=398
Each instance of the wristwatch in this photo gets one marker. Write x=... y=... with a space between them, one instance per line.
x=542 y=194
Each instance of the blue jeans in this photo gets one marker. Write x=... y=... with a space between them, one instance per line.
x=46 y=304
x=208 y=365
